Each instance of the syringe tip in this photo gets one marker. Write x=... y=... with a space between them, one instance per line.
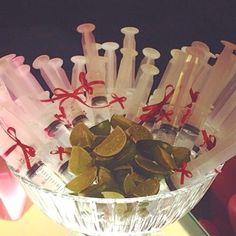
x=110 y=46
x=129 y=30
x=87 y=27
x=78 y=59
x=228 y=44
x=150 y=69
x=151 y=53
x=58 y=62
x=40 y=61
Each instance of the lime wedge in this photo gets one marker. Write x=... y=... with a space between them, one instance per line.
x=139 y=132
x=181 y=154
x=147 y=188
x=79 y=160
x=150 y=166
x=81 y=135
x=108 y=194
x=103 y=128
x=83 y=180
x=121 y=121
x=112 y=144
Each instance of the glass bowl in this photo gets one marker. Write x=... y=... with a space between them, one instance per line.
x=127 y=216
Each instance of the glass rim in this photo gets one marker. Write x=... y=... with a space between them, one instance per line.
x=150 y=198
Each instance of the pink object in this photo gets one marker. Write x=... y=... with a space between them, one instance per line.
x=13 y=200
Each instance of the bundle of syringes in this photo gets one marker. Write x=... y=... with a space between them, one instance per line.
x=194 y=105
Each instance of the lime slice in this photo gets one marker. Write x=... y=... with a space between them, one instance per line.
x=149 y=166
x=108 y=194
x=103 y=128
x=112 y=144
x=81 y=135
x=181 y=154
x=83 y=180
x=121 y=121
x=125 y=156
x=164 y=159
x=79 y=160
x=105 y=176
x=147 y=188
x=139 y=132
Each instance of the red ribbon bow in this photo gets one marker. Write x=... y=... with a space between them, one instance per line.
x=27 y=150
x=62 y=116
x=60 y=150
x=165 y=115
x=120 y=100
x=154 y=109
x=209 y=140
x=194 y=97
x=87 y=86
x=184 y=172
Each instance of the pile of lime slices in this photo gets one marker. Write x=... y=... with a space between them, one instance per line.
x=119 y=158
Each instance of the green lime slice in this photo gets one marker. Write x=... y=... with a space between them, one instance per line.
x=94 y=190
x=165 y=159
x=108 y=194
x=150 y=167
x=147 y=188
x=79 y=160
x=103 y=128
x=181 y=154
x=112 y=144
x=139 y=132
x=126 y=155
x=83 y=180
x=81 y=135
x=121 y=121
x=105 y=177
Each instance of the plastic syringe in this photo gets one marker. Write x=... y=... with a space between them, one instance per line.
x=130 y=43
x=124 y=78
x=55 y=75
x=111 y=69
x=207 y=162
x=222 y=69
x=170 y=76
x=94 y=65
x=42 y=116
x=50 y=73
x=150 y=55
x=142 y=90
x=229 y=89
x=79 y=66
x=180 y=97
x=32 y=166
x=10 y=75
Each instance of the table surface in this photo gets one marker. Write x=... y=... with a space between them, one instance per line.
x=35 y=221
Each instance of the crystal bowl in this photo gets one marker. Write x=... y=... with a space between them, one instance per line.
x=126 y=216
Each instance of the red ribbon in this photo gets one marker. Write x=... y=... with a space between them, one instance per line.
x=154 y=109
x=62 y=116
x=87 y=86
x=120 y=100
x=184 y=172
x=165 y=115
x=27 y=150
x=209 y=140
x=186 y=115
x=194 y=97
x=60 y=150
